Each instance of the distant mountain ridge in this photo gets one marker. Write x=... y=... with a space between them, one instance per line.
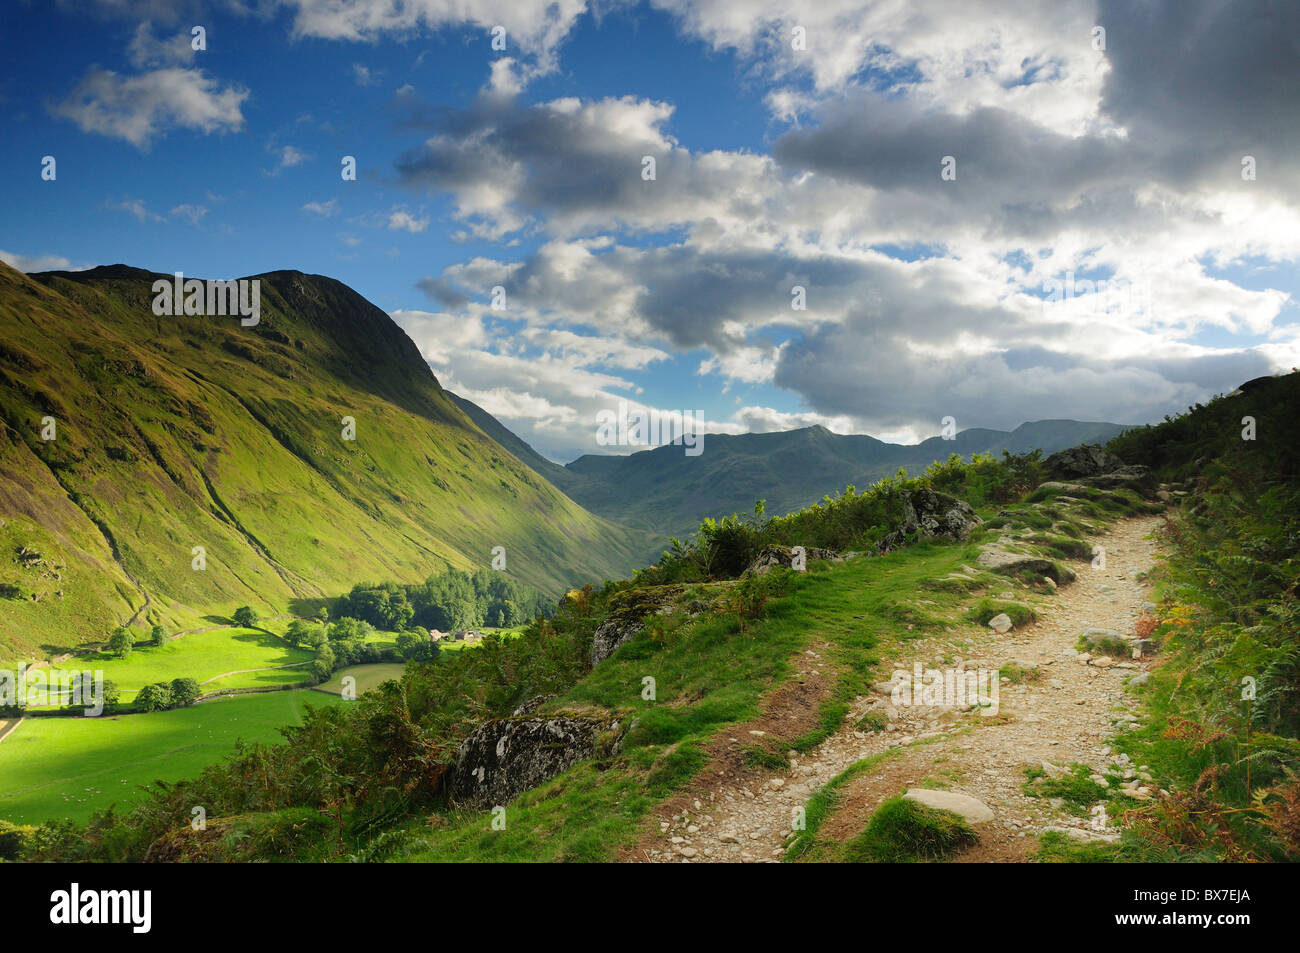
x=669 y=493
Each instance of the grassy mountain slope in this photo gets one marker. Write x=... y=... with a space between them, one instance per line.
x=177 y=432
x=666 y=491
x=719 y=651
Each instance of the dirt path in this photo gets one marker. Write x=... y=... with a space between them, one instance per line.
x=1063 y=717
x=249 y=671
x=8 y=726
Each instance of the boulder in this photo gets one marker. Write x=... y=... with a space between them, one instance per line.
x=1066 y=489
x=972 y=810
x=1085 y=460
x=1000 y=623
x=1012 y=564
x=1135 y=477
x=929 y=514
x=505 y=757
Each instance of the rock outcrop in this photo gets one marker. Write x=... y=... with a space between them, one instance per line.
x=627 y=614
x=773 y=556
x=505 y=757
x=1134 y=477
x=928 y=514
x=1085 y=460
x=1008 y=563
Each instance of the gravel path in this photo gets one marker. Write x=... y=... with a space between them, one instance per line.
x=1065 y=716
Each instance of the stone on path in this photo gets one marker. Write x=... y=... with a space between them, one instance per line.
x=1000 y=623
x=973 y=810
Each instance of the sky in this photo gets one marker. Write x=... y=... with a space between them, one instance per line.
x=864 y=215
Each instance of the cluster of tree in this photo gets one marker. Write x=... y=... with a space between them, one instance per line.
x=451 y=602
x=122 y=642
x=338 y=644
x=162 y=696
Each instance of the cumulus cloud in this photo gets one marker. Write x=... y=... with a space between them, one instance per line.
x=148 y=50
x=1114 y=172
x=29 y=264
x=535 y=28
x=323 y=209
x=401 y=220
x=140 y=108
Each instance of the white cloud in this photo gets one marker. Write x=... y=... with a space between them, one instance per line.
x=147 y=50
x=136 y=208
x=140 y=108
x=323 y=209
x=535 y=28
x=35 y=263
x=402 y=220
x=193 y=213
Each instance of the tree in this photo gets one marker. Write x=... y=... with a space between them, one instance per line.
x=157 y=697
x=112 y=697
x=121 y=642
x=323 y=665
x=158 y=635
x=300 y=633
x=246 y=617
x=416 y=646
x=349 y=628
x=185 y=691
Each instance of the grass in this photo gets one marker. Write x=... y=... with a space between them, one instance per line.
x=367 y=677
x=53 y=768
x=1074 y=788
x=859 y=615
x=195 y=432
x=1054 y=848
x=205 y=656
x=822 y=804
x=711 y=675
x=904 y=831
x=986 y=608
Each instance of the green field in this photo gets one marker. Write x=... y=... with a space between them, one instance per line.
x=367 y=676
x=212 y=657
x=55 y=768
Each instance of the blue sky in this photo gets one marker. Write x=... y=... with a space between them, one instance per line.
x=777 y=166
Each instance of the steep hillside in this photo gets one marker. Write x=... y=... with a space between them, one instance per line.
x=664 y=490
x=179 y=432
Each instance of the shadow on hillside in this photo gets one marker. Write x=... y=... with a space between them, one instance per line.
x=308 y=608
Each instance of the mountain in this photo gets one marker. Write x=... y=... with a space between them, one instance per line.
x=172 y=433
x=667 y=492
